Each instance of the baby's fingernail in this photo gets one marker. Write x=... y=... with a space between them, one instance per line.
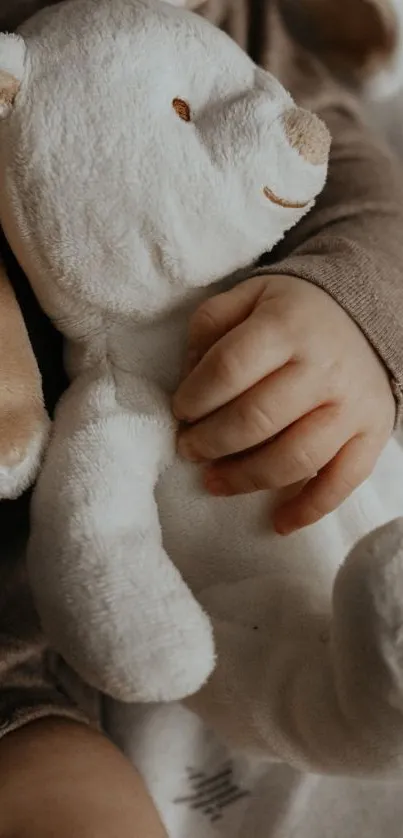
x=282 y=526
x=217 y=485
x=283 y=529
x=177 y=411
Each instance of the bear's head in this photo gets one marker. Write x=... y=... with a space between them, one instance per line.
x=142 y=153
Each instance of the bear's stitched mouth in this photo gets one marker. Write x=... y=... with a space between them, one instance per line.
x=268 y=193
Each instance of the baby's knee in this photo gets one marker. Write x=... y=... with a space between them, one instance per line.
x=58 y=777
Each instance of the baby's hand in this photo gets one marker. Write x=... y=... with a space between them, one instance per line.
x=283 y=389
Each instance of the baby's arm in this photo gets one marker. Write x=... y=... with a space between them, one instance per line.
x=316 y=368
x=350 y=244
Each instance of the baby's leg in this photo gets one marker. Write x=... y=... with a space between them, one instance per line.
x=60 y=778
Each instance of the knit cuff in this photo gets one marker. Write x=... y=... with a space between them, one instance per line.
x=325 y=266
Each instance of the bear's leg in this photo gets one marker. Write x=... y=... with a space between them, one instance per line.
x=110 y=599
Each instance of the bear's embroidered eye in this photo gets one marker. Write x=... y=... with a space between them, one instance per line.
x=182 y=109
x=268 y=193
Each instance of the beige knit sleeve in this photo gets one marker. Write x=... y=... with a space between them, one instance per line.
x=351 y=245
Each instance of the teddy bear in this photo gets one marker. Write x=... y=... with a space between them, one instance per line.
x=146 y=163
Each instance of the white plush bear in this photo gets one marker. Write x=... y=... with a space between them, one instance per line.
x=144 y=158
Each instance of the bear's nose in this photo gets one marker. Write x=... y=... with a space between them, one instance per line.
x=307 y=134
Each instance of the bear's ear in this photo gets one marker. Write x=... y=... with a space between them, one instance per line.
x=12 y=61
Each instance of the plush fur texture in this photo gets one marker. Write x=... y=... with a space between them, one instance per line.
x=12 y=50
x=124 y=216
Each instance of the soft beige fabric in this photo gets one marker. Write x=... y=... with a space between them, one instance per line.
x=30 y=687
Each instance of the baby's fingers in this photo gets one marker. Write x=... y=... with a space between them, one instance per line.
x=238 y=360
x=296 y=455
x=256 y=416
x=333 y=485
